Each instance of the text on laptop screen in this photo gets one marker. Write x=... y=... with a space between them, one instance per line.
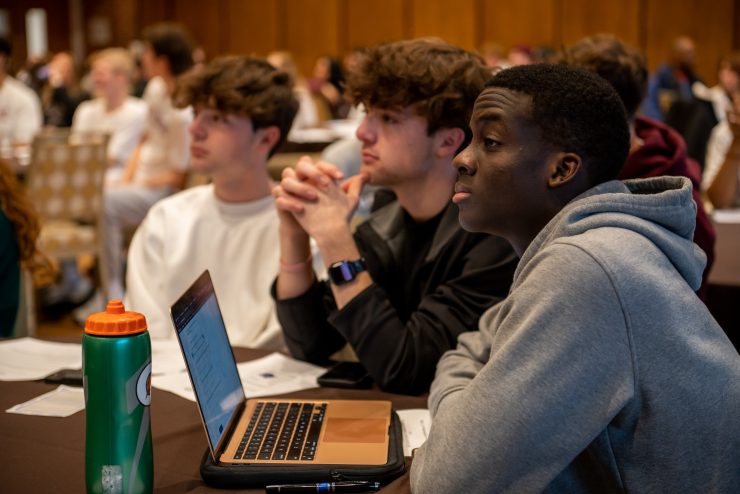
x=207 y=351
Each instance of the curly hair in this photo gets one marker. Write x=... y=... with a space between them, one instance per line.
x=439 y=80
x=620 y=64
x=576 y=111
x=245 y=86
x=22 y=215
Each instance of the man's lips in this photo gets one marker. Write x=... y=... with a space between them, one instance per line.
x=368 y=157
x=461 y=193
x=198 y=152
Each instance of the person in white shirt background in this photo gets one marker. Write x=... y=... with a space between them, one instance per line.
x=158 y=165
x=20 y=107
x=113 y=111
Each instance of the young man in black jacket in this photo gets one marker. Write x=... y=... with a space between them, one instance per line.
x=409 y=280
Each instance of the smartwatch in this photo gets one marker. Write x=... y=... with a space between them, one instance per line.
x=342 y=272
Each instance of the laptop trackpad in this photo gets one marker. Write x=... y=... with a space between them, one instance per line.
x=342 y=430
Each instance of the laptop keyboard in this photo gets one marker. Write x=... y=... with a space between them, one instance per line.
x=282 y=431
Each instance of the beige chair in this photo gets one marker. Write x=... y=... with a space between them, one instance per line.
x=65 y=183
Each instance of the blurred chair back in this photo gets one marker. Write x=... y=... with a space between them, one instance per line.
x=65 y=182
x=25 y=320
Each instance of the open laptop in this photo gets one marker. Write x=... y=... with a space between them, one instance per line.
x=293 y=433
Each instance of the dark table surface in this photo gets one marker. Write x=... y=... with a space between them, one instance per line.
x=47 y=454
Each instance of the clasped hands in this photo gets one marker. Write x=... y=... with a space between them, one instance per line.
x=313 y=197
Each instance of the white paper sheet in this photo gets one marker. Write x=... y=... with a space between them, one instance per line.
x=415 y=423
x=27 y=359
x=271 y=375
x=166 y=357
x=61 y=402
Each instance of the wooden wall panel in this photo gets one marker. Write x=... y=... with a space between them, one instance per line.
x=522 y=22
x=122 y=18
x=309 y=29
x=252 y=26
x=369 y=23
x=151 y=12
x=736 y=16
x=711 y=27
x=205 y=25
x=582 y=18
x=453 y=21
x=57 y=24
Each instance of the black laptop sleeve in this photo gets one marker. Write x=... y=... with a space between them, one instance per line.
x=259 y=475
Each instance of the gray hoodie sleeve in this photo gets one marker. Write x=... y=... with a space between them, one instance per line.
x=514 y=404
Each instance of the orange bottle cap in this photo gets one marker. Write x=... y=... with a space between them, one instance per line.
x=116 y=320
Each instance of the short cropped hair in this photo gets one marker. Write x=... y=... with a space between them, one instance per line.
x=243 y=86
x=173 y=42
x=576 y=111
x=439 y=80
x=622 y=66
x=119 y=60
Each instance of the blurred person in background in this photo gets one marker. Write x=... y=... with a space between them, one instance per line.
x=494 y=55
x=672 y=81
x=308 y=116
x=62 y=93
x=20 y=107
x=328 y=83
x=520 y=55
x=158 y=165
x=113 y=111
x=720 y=95
x=721 y=179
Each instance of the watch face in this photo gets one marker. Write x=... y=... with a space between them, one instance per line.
x=345 y=271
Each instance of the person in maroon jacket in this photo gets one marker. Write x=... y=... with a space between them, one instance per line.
x=656 y=149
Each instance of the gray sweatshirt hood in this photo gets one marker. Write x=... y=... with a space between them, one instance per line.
x=660 y=209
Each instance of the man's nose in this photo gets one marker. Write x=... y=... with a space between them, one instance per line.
x=195 y=128
x=365 y=131
x=464 y=162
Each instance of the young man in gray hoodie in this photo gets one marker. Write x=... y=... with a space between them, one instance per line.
x=601 y=371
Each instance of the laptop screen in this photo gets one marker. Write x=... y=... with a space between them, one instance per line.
x=205 y=345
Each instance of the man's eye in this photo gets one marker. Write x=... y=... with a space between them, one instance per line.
x=489 y=143
x=388 y=119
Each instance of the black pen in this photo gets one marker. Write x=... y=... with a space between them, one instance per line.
x=350 y=486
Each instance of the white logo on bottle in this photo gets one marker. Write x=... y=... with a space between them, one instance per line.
x=144 y=386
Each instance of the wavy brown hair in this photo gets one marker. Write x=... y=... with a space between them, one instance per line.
x=243 y=86
x=20 y=211
x=439 y=80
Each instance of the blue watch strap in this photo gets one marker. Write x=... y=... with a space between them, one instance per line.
x=342 y=272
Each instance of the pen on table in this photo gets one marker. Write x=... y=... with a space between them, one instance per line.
x=350 y=486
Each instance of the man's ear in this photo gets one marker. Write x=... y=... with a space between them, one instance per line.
x=268 y=138
x=448 y=141
x=563 y=168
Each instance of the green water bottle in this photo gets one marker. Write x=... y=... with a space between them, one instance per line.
x=117 y=369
